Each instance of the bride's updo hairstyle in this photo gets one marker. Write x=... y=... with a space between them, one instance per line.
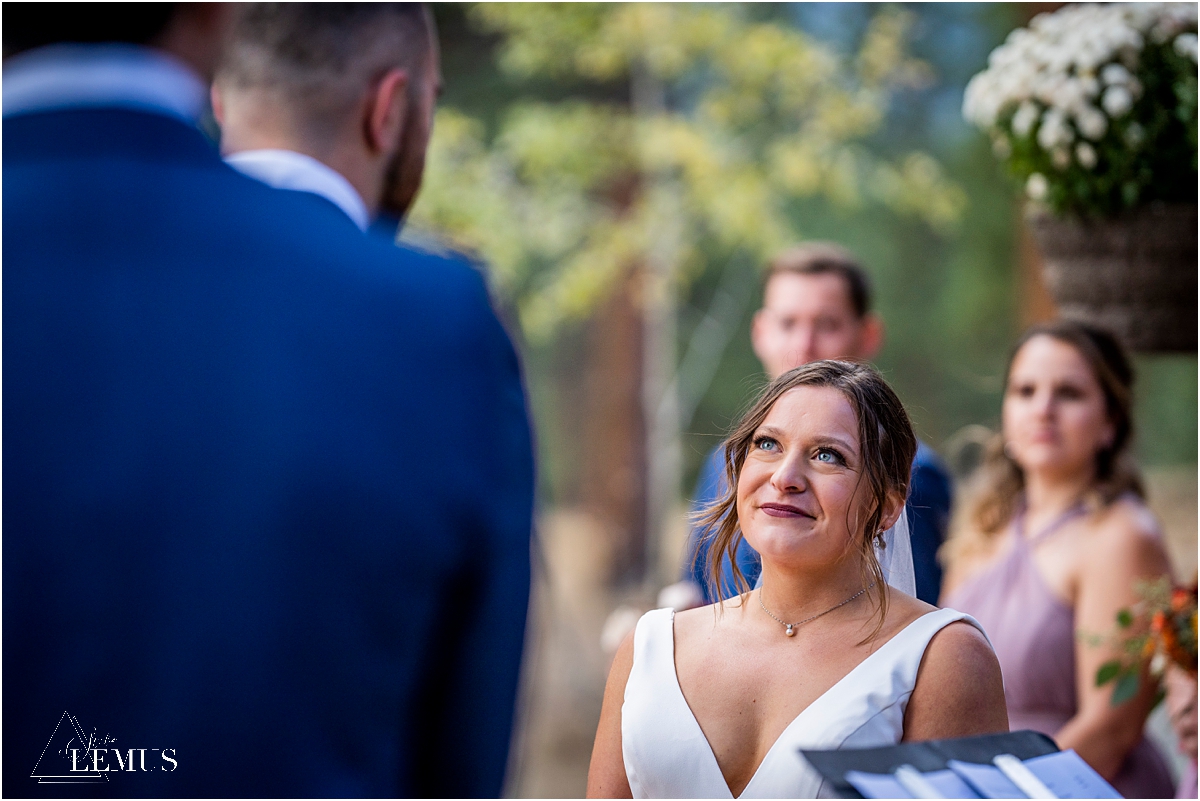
x=887 y=447
x=995 y=490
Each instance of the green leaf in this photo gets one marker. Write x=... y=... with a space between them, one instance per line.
x=1127 y=688
x=1107 y=672
x=1124 y=618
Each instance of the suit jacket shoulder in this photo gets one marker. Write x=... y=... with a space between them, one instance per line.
x=288 y=466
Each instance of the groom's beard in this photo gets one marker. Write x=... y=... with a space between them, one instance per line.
x=404 y=173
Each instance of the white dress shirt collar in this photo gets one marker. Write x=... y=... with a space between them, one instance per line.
x=70 y=76
x=287 y=169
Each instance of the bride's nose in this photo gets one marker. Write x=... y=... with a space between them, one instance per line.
x=789 y=475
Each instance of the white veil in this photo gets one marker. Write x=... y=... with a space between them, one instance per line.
x=894 y=552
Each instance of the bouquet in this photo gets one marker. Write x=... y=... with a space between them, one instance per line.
x=1166 y=618
x=1094 y=107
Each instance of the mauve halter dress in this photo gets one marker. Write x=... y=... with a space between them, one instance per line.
x=1033 y=634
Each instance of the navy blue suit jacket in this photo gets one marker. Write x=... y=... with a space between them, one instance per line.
x=928 y=510
x=267 y=484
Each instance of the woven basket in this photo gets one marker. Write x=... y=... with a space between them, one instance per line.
x=1134 y=275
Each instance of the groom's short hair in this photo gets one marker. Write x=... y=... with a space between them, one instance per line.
x=826 y=258
x=319 y=57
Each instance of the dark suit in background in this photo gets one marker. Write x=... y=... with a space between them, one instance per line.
x=267 y=482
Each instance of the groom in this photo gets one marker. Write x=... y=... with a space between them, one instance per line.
x=335 y=99
x=267 y=481
x=817 y=305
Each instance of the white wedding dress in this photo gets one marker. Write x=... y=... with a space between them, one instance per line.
x=667 y=756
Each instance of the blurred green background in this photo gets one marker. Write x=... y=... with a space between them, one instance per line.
x=954 y=297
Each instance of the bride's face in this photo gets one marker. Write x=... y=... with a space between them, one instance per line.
x=799 y=488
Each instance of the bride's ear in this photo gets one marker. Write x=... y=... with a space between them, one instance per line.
x=891 y=511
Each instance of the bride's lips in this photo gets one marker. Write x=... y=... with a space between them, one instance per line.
x=783 y=510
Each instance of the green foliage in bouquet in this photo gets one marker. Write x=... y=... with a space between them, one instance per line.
x=1093 y=108
x=1160 y=628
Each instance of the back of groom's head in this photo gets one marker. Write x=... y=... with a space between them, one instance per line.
x=315 y=58
x=312 y=77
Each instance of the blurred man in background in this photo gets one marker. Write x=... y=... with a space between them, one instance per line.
x=268 y=482
x=817 y=305
x=331 y=98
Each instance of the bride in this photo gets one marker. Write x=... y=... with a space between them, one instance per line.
x=717 y=701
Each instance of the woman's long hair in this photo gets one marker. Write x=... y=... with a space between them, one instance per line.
x=887 y=447
x=995 y=491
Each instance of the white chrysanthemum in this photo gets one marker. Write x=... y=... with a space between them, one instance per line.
x=1022 y=122
x=1070 y=95
x=1037 y=186
x=1091 y=122
x=1115 y=75
x=1185 y=45
x=1085 y=154
x=1070 y=73
x=1054 y=130
x=1117 y=101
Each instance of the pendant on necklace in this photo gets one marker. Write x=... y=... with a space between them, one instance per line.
x=791 y=630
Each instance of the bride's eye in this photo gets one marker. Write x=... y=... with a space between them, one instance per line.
x=829 y=456
x=766 y=444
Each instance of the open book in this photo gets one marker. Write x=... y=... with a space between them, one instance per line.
x=1022 y=764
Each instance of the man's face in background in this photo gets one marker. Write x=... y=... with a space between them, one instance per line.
x=808 y=317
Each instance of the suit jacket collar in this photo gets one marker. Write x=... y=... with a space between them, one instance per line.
x=109 y=133
x=74 y=76
x=105 y=132
x=287 y=169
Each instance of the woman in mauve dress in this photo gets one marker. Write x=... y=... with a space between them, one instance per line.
x=1052 y=543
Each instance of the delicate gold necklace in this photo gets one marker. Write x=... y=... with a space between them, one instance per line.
x=790 y=628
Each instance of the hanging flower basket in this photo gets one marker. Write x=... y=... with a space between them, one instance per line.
x=1093 y=109
x=1134 y=274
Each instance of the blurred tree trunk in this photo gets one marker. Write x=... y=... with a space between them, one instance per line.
x=659 y=296
x=613 y=470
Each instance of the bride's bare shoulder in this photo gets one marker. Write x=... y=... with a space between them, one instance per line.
x=702 y=621
x=959 y=690
x=902 y=610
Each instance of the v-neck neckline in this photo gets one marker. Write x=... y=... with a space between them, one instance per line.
x=758 y=769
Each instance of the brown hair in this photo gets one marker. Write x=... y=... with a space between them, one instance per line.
x=826 y=258
x=887 y=447
x=318 y=58
x=996 y=489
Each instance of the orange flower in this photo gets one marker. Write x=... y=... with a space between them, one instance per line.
x=1149 y=647
x=1180 y=598
x=1169 y=637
